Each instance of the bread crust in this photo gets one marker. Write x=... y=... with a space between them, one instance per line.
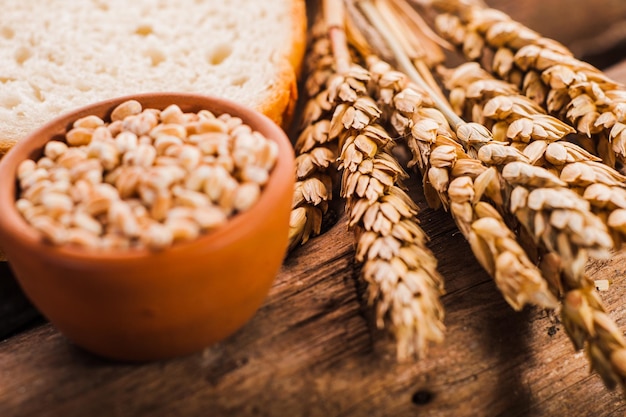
x=299 y=35
x=5 y=145
x=281 y=102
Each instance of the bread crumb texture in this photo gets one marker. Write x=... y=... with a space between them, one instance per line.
x=74 y=52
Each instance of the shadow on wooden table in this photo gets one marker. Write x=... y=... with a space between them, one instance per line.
x=16 y=312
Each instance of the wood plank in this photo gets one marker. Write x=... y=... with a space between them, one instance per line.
x=311 y=350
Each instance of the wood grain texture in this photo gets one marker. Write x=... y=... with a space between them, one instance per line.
x=311 y=351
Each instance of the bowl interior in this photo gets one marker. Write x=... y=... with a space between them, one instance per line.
x=13 y=225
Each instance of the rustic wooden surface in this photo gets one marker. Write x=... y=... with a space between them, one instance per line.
x=311 y=350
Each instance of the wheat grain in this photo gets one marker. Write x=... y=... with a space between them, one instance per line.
x=103 y=192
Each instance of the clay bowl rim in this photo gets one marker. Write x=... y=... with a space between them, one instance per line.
x=14 y=226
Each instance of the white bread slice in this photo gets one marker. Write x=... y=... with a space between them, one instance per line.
x=59 y=54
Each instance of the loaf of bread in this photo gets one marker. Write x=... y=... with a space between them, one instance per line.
x=59 y=54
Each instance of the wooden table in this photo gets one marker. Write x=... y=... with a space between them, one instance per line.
x=311 y=350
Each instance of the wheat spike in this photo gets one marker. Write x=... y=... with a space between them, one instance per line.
x=316 y=151
x=591 y=329
x=558 y=219
x=564 y=230
x=441 y=159
x=529 y=188
x=463 y=184
x=542 y=138
x=584 y=317
x=400 y=271
x=546 y=71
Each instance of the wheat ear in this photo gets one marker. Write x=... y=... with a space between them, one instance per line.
x=462 y=184
x=546 y=71
x=398 y=268
x=476 y=94
x=457 y=181
x=316 y=152
x=561 y=239
x=564 y=225
x=584 y=317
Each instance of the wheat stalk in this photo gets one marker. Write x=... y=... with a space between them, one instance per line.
x=316 y=151
x=477 y=95
x=399 y=269
x=559 y=220
x=546 y=71
x=491 y=102
x=459 y=182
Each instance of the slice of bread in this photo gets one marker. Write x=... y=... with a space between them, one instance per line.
x=59 y=54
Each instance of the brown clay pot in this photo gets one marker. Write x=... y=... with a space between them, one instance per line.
x=142 y=305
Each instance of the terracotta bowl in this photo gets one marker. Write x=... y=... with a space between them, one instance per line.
x=142 y=305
